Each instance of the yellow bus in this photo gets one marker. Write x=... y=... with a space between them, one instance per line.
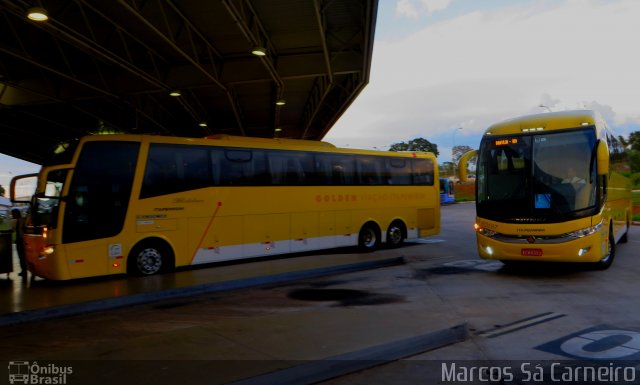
x=143 y=204
x=551 y=187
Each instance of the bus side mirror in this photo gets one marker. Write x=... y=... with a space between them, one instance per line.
x=602 y=154
x=18 y=183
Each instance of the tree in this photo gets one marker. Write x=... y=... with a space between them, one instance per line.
x=633 y=148
x=445 y=169
x=417 y=144
x=2 y=191
x=458 y=151
x=634 y=141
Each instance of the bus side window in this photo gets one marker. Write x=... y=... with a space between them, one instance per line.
x=399 y=171
x=370 y=171
x=277 y=163
x=193 y=167
x=343 y=170
x=236 y=168
x=216 y=166
x=423 y=171
x=323 y=169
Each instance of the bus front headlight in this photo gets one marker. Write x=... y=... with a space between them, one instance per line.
x=584 y=232
x=486 y=232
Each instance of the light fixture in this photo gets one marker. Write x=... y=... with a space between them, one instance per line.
x=259 y=51
x=281 y=102
x=37 y=14
x=175 y=93
x=278 y=129
x=203 y=124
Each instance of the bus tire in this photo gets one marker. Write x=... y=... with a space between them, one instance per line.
x=396 y=233
x=625 y=236
x=150 y=257
x=606 y=262
x=369 y=237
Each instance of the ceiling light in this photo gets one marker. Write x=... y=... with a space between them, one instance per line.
x=278 y=129
x=203 y=124
x=281 y=102
x=259 y=51
x=175 y=93
x=37 y=14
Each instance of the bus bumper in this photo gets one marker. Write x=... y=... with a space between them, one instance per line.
x=590 y=248
x=41 y=259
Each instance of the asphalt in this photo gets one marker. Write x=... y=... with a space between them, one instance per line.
x=280 y=347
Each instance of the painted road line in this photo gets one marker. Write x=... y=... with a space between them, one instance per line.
x=519 y=325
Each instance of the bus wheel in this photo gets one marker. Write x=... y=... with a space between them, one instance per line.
x=395 y=234
x=606 y=262
x=150 y=257
x=625 y=236
x=369 y=237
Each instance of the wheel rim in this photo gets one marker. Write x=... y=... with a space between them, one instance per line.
x=368 y=238
x=149 y=261
x=395 y=235
x=609 y=250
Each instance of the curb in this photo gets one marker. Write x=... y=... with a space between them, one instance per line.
x=142 y=298
x=340 y=365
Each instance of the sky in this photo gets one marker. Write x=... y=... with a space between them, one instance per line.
x=445 y=70
x=442 y=65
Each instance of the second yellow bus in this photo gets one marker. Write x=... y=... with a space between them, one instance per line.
x=552 y=187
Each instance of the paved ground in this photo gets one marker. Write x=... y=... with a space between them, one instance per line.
x=474 y=312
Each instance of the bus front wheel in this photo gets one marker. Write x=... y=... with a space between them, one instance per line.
x=625 y=236
x=606 y=262
x=150 y=257
x=369 y=237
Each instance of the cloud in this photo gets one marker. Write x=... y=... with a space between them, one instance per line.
x=484 y=66
x=413 y=9
x=407 y=8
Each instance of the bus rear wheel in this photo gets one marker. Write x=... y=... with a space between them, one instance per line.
x=369 y=237
x=395 y=234
x=150 y=257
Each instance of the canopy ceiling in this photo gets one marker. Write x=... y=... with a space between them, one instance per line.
x=110 y=65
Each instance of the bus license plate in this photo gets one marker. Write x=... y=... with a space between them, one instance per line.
x=531 y=252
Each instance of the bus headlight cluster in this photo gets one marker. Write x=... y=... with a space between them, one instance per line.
x=584 y=232
x=485 y=232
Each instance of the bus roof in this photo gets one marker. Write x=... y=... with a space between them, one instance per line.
x=544 y=122
x=263 y=141
x=253 y=142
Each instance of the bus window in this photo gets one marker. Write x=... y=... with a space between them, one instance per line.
x=289 y=168
x=336 y=170
x=100 y=189
x=174 y=168
x=423 y=171
x=371 y=170
x=399 y=171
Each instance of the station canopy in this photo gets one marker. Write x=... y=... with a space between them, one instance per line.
x=98 y=66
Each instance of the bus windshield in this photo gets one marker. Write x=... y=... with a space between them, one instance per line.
x=546 y=177
x=45 y=205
